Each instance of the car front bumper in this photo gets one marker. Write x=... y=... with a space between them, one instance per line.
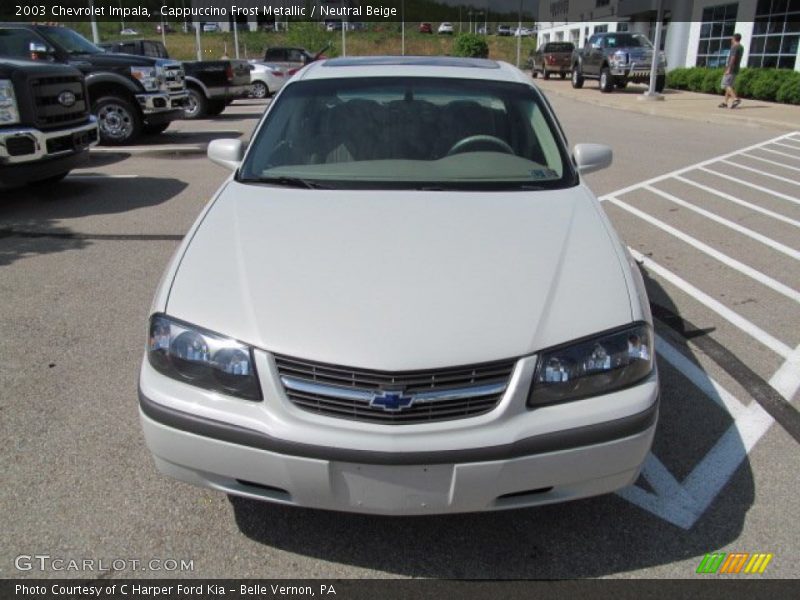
x=490 y=462
x=162 y=102
x=28 y=154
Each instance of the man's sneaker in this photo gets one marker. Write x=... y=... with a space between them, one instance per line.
x=722 y=105
x=736 y=103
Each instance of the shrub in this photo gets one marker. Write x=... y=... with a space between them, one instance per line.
x=471 y=45
x=772 y=85
x=677 y=78
x=711 y=81
x=789 y=92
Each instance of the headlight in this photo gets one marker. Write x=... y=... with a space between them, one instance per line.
x=202 y=358
x=8 y=103
x=594 y=366
x=147 y=76
x=619 y=58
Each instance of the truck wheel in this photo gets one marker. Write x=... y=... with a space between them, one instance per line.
x=196 y=104
x=545 y=73
x=563 y=75
x=577 y=77
x=215 y=107
x=621 y=84
x=259 y=90
x=606 y=81
x=150 y=129
x=661 y=83
x=119 y=121
x=534 y=72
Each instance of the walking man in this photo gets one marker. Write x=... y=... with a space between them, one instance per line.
x=731 y=71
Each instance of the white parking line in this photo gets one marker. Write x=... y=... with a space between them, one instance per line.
x=793 y=156
x=772 y=162
x=87 y=176
x=734 y=318
x=782 y=248
x=699 y=378
x=187 y=148
x=744 y=269
x=764 y=173
x=792 y=146
x=682 y=170
x=754 y=186
x=739 y=201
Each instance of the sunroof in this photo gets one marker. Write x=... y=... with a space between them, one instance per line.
x=424 y=61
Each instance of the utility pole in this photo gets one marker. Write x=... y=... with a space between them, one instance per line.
x=236 y=37
x=197 y=40
x=651 y=93
x=95 y=32
x=519 y=33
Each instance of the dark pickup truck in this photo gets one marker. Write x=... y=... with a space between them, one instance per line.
x=211 y=84
x=45 y=125
x=616 y=59
x=129 y=94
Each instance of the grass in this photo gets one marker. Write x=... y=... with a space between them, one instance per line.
x=386 y=40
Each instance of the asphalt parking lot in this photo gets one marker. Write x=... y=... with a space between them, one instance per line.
x=711 y=211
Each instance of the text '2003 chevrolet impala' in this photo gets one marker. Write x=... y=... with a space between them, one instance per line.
x=403 y=301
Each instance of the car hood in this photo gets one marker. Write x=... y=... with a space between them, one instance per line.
x=401 y=280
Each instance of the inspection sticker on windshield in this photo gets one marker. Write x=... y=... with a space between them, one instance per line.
x=543 y=174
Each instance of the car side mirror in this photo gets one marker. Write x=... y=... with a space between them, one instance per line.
x=592 y=157
x=226 y=153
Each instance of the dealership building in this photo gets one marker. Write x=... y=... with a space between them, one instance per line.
x=695 y=33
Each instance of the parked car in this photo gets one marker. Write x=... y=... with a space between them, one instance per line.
x=522 y=32
x=129 y=95
x=504 y=30
x=128 y=31
x=210 y=28
x=292 y=57
x=425 y=28
x=552 y=57
x=445 y=28
x=46 y=127
x=211 y=85
x=616 y=59
x=266 y=79
x=166 y=27
x=297 y=354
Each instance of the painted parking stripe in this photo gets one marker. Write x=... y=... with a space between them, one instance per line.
x=89 y=176
x=734 y=318
x=699 y=378
x=785 y=145
x=682 y=170
x=746 y=168
x=792 y=156
x=782 y=248
x=754 y=186
x=771 y=162
x=739 y=201
x=729 y=261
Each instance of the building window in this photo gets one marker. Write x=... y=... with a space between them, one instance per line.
x=622 y=27
x=575 y=36
x=719 y=24
x=601 y=3
x=776 y=31
x=601 y=29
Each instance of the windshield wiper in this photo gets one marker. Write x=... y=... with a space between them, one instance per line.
x=297 y=182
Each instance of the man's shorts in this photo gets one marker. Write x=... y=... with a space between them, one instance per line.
x=727 y=81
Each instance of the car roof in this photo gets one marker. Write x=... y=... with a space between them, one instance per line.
x=413 y=66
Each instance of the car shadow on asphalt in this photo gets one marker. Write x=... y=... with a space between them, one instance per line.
x=169 y=138
x=31 y=217
x=586 y=538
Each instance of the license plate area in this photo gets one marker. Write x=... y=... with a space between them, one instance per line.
x=388 y=488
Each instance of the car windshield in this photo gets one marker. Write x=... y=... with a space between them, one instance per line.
x=627 y=40
x=408 y=133
x=70 y=41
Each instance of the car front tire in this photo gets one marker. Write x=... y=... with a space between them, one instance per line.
x=196 y=104
x=118 y=120
x=259 y=90
x=577 y=77
x=606 y=81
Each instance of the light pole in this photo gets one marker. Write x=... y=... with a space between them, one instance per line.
x=197 y=40
x=236 y=37
x=403 y=27
x=95 y=33
x=519 y=33
x=651 y=93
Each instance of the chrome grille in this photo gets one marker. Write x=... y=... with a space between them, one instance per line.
x=50 y=112
x=174 y=78
x=357 y=394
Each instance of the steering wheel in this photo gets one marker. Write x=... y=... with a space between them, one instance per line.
x=461 y=145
